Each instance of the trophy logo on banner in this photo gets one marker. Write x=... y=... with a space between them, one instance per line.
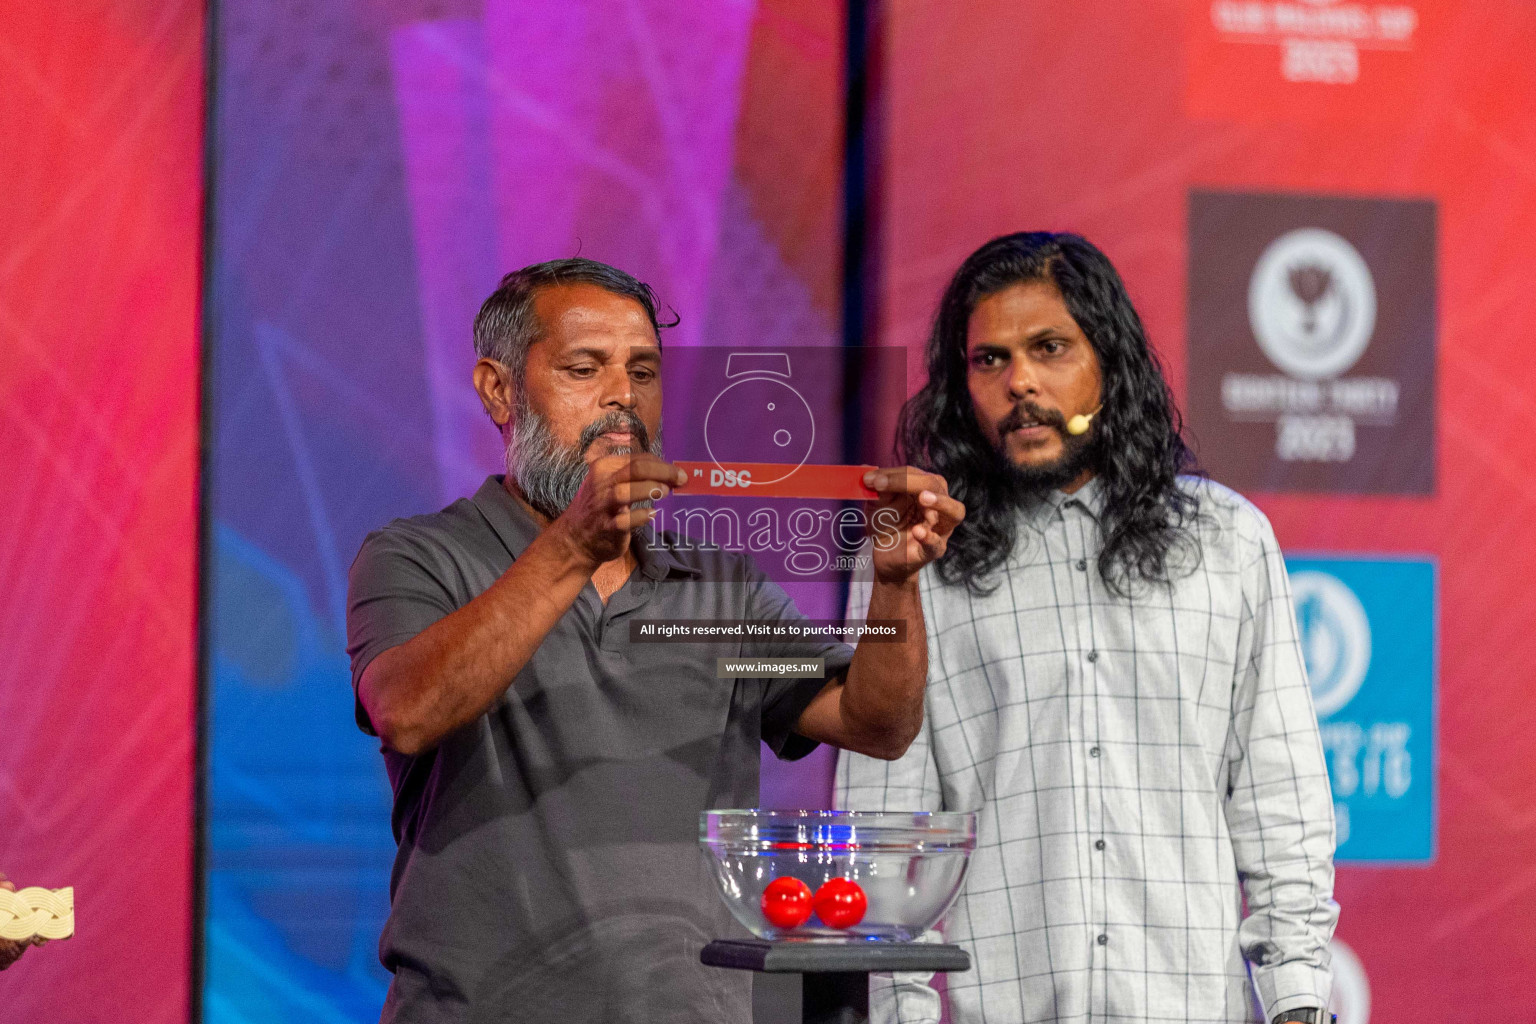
x=1312 y=303
x=1312 y=342
x=1312 y=307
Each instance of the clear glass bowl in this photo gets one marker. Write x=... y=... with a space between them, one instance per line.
x=909 y=864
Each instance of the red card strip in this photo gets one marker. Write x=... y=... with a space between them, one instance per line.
x=776 y=480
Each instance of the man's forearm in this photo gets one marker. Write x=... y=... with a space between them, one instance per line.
x=457 y=668
x=882 y=698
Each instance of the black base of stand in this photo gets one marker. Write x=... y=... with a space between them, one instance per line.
x=834 y=975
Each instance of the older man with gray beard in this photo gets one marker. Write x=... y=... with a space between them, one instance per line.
x=548 y=775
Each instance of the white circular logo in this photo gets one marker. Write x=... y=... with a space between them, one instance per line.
x=1312 y=303
x=759 y=417
x=1351 y=991
x=1335 y=638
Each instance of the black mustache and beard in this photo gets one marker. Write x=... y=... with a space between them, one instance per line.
x=548 y=473
x=1077 y=454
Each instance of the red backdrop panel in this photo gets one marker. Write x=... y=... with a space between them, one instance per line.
x=100 y=110
x=1098 y=117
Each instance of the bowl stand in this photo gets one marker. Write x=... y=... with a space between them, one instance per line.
x=834 y=987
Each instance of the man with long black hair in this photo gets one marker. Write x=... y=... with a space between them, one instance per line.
x=1115 y=680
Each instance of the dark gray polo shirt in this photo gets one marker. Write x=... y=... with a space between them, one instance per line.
x=549 y=867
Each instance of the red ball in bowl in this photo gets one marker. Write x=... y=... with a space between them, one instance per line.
x=840 y=903
x=787 y=902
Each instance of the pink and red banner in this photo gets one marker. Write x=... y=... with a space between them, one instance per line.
x=101 y=113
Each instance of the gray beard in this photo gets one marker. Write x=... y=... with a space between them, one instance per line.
x=548 y=473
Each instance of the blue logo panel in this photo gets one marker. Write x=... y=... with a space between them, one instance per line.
x=1368 y=632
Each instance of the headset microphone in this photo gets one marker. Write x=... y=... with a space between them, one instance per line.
x=1078 y=424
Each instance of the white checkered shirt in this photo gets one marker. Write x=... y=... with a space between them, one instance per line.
x=1140 y=766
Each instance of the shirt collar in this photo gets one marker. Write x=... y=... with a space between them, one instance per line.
x=517 y=528
x=657 y=559
x=506 y=515
x=1089 y=498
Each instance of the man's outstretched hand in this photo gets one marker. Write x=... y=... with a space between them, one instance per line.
x=911 y=522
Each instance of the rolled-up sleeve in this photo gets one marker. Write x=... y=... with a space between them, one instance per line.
x=1279 y=808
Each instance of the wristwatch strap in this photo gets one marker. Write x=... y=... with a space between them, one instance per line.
x=1302 y=1016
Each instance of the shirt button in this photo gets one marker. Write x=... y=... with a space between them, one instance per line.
x=1082 y=565
x=1093 y=751
x=1093 y=655
x=1099 y=845
x=1103 y=940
